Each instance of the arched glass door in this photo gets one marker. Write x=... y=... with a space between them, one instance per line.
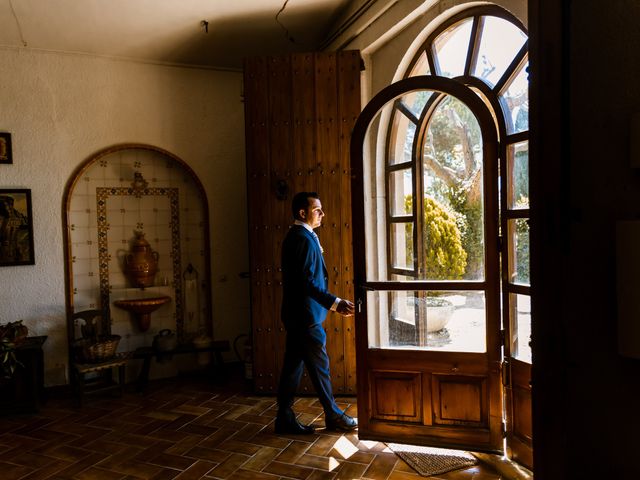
x=418 y=382
x=426 y=203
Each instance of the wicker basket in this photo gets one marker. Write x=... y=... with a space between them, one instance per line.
x=90 y=351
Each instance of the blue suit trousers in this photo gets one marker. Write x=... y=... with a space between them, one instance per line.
x=307 y=348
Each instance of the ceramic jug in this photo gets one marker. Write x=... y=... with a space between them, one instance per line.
x=141 y=264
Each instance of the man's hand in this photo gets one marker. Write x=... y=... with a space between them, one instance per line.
x=346 y=308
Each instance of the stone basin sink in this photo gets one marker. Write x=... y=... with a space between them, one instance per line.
x=141 y=308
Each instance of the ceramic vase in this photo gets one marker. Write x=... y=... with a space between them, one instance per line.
x=141 y=265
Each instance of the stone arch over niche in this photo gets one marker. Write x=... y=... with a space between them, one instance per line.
x=103 y=210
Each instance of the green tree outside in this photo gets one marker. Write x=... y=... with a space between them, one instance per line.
x=444 y=255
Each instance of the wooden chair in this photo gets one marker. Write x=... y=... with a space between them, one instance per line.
x=93 y=375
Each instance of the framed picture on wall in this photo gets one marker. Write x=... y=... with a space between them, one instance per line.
x=5 y=148
x=16 y=227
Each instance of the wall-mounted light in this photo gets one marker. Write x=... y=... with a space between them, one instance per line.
x=205 y=26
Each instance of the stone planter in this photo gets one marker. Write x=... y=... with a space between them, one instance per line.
x=439 y=312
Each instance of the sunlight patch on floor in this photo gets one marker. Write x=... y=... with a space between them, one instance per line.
x=345 y=448
x=333 y=464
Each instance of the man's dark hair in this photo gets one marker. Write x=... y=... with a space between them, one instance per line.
x=301 y=202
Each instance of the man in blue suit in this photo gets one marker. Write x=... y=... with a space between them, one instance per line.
x=305 y=303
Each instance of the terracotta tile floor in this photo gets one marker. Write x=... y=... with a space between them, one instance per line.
x=188 y=429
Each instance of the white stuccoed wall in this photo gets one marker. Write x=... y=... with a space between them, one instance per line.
x=62 y=108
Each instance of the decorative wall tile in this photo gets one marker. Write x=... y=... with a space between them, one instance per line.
x=96 y=182
x=82 y=267
x=147 y=204
x=93 y=235
x=131 y=217
x=79 y=219
x=82 y=251
x=164 y=246
x=86 y=282
x=116 y=232
x=103 y=233
x=115 y=203
x=79 y=203
x=104 y=194
x=88 y=299
x=80 y=236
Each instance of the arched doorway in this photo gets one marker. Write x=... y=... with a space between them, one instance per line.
x=448 y=229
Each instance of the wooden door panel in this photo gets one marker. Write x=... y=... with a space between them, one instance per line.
x=327 y=170
x=349 y=108
x=258 y=159
x=278 y=212
x=394 y=383
x=303 y=128
x=459 y=400
x=522 y=422
x=433 y=398
x=396 y=396
x=301 y=176
x=519 y=420
x=441 y=362
x=442 y=436
x=295 y=141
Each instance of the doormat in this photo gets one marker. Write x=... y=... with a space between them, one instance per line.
x=428 y=461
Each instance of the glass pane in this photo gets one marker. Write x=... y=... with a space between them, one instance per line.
x=451 y=48
x=515 y=102
x=421 y=67
x=489 y=106
x=415 y=101
x=453 y=202
x=519 y=251
x=402 y=134
x=431 y=320
x=499 y=44
x=400 y=278
x=377 y=248
x=400 y=188
x=518 y=165
x=402 y=245
x=520 y=326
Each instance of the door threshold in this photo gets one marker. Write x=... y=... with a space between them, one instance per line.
x=510 y=469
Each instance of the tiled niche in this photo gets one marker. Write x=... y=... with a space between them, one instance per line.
x=105 y=209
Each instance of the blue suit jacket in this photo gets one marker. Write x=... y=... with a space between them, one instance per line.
x=305 y=299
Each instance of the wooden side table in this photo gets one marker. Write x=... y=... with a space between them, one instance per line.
x=24 y=392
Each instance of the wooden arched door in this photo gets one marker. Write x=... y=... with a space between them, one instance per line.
x=414 y=385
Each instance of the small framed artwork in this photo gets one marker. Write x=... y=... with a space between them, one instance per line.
x=16 y=227
x=5 y=148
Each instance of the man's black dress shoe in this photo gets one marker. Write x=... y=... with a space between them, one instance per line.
x=292 y=427
x=342 y=422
